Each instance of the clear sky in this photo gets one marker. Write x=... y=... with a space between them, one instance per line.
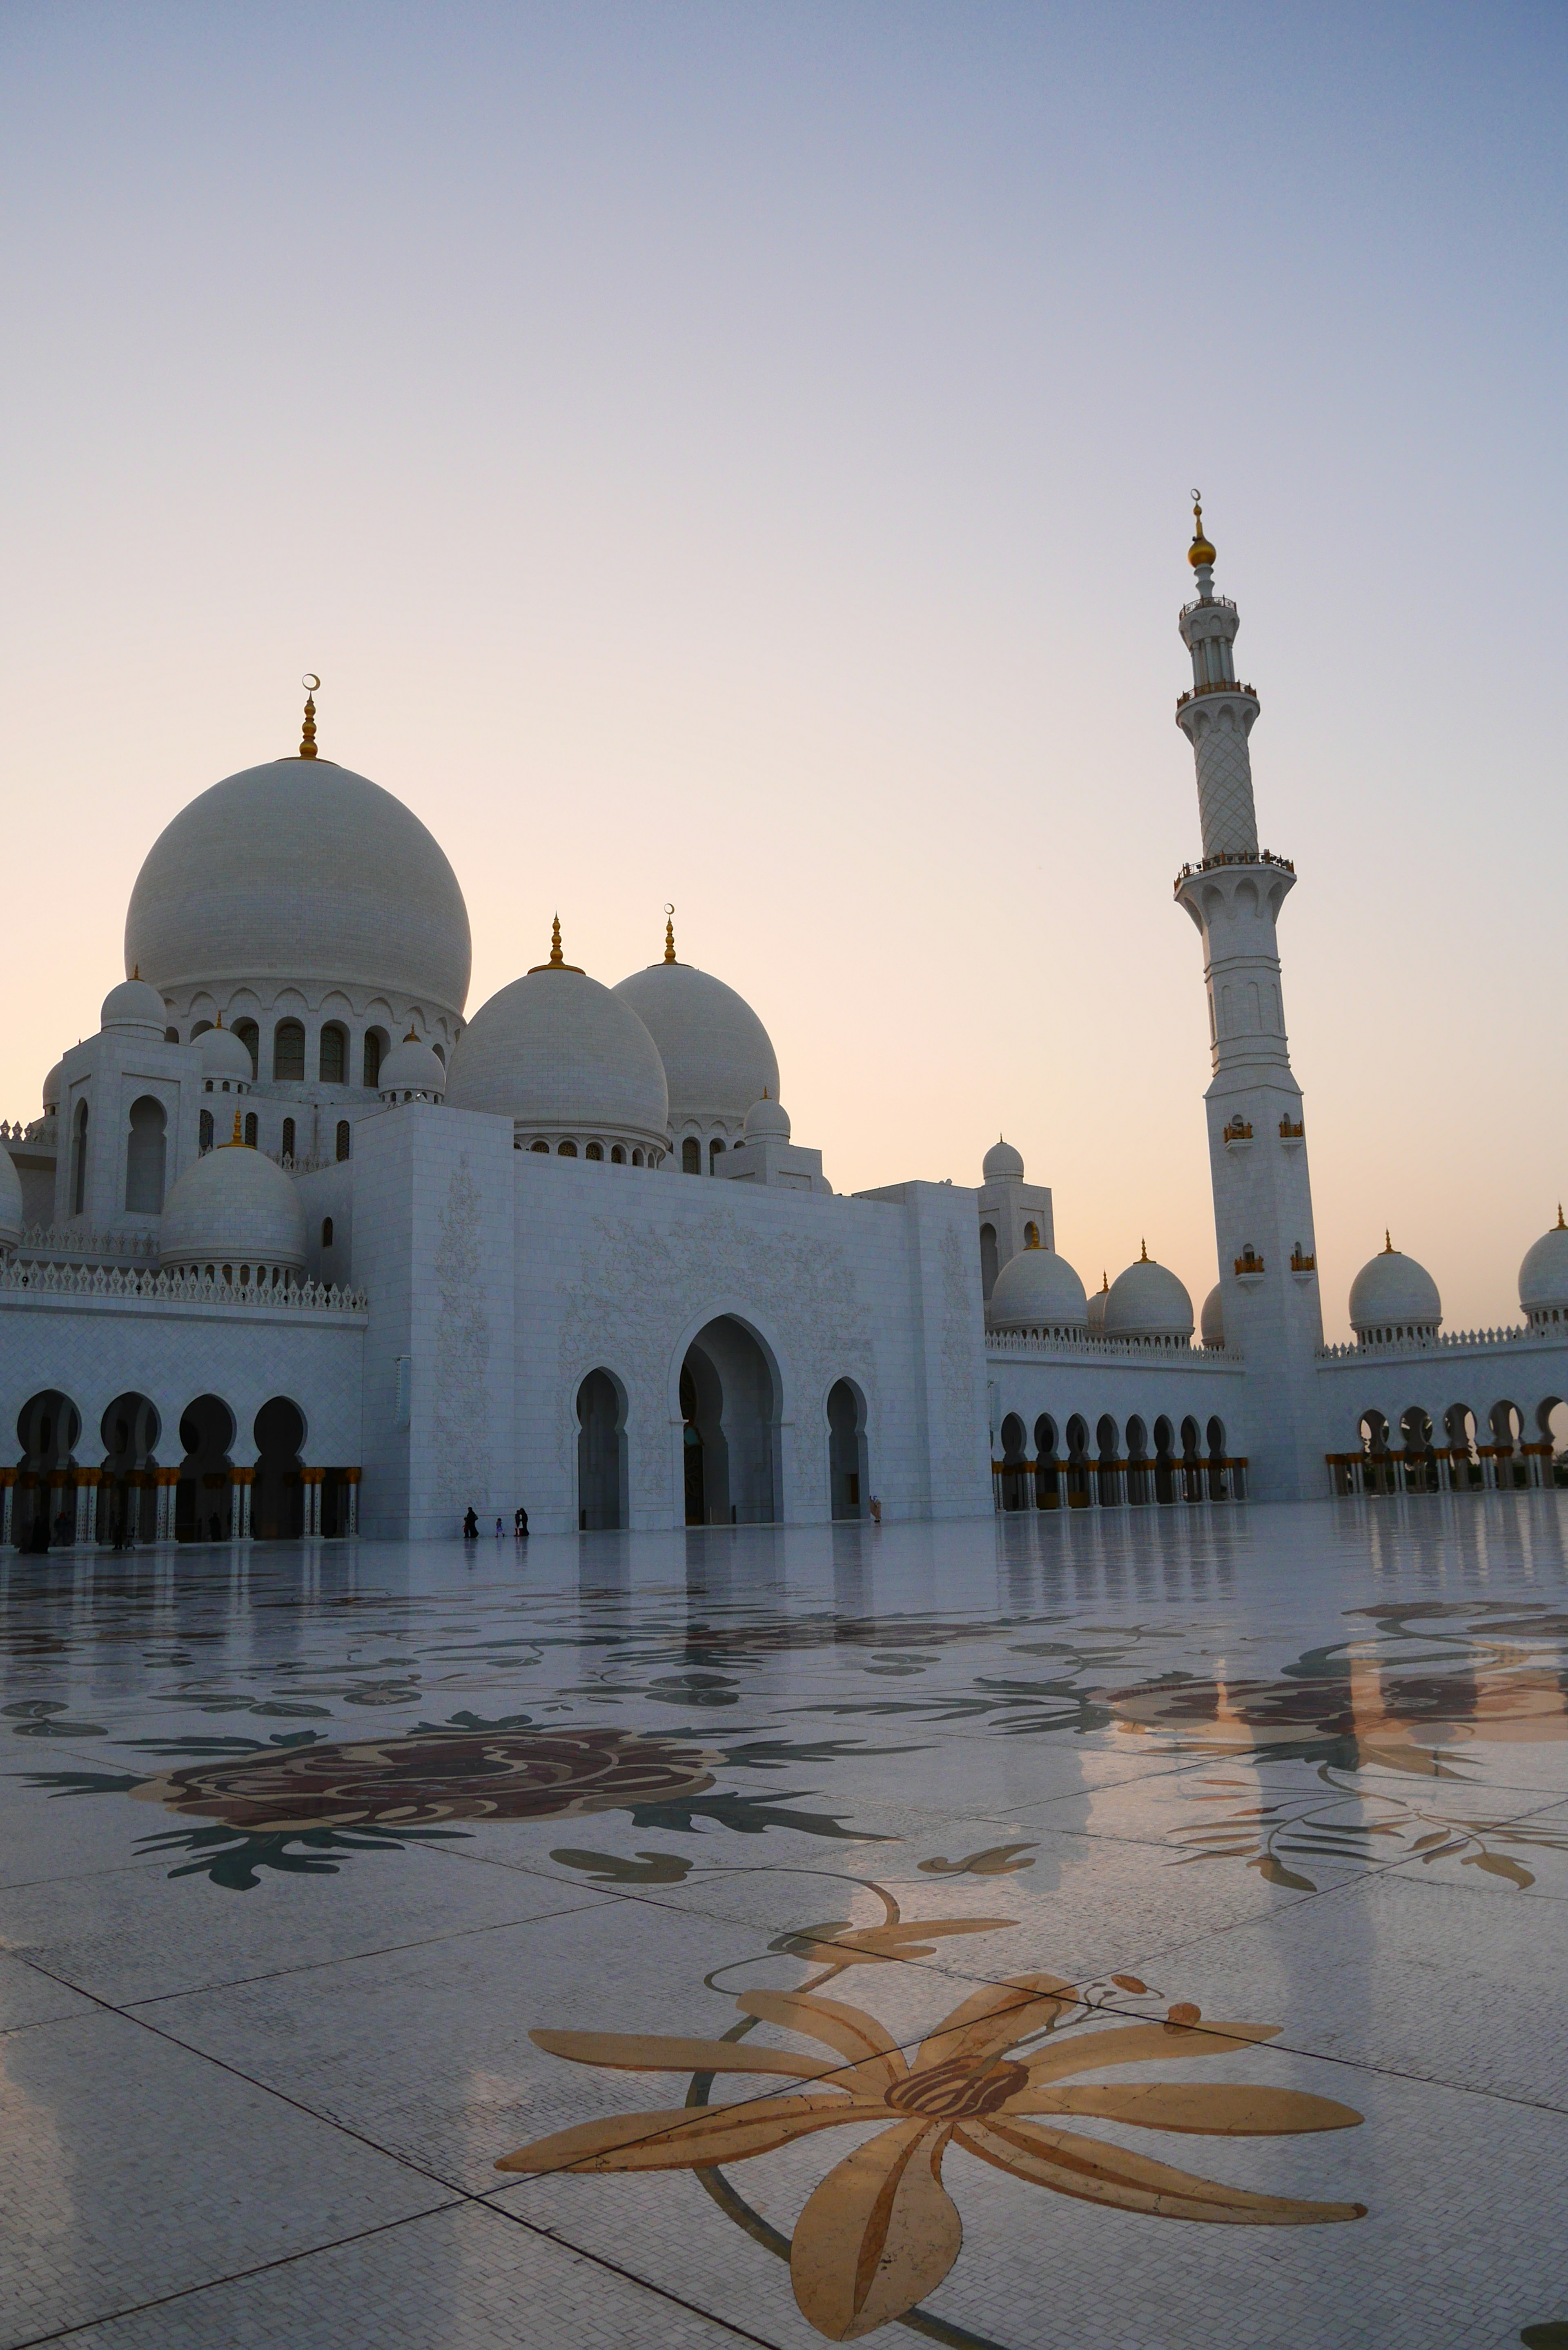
x=740 y=453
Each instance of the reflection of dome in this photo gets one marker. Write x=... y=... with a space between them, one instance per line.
x=412 y=1069
x=767 y=1121
x=10 y=1201
x=300 y=870
x=717 y=1059
x=233 y=1208
x=1038 y=1290
x=1393 y=1297
x=1148 y=1301
x=562 y=1056
x=224 y=1060
x=1213 y=1322
x=1544 y=1276
x=1002 y=1164
x=134 y=1005
x=1098 y=1309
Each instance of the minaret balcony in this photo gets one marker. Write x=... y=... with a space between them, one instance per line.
x=1303 y=1263
x=1232 y=856
x=1237 y=1135
x=1292 y=1135
x=1250 y=1268
x=1224 y=685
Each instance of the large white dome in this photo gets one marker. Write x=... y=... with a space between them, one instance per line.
x=300 y=870
x=1038 y=1290
x=232 y=1207
x=1543 y=1275
x=1393 y=1297
x=10 y=1201
x=1002 y=1163
x=717 y=1057
x=1148 y=1301
x=1212 y=1320
x=563 y=1056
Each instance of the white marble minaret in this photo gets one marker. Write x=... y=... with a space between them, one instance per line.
x=1256 y=1145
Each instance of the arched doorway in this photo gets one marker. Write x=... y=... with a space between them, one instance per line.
x=729 y=1408
x=847 y=1473
x=1078 y=1495
x=1045 y=1463
x=128 y=1495
x=601 y=1455
x=1014 y=1443
x=277 y=1491
x=202 y=1497
x=146 y=1146
x=1164 y=1479
x=48 y=1427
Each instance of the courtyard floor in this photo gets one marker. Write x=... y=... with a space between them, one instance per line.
x=1145 y=1929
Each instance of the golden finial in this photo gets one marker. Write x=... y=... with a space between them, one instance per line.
x=1388 y=1243
x=136 y=970
x=669 y=934
x=1199 y=552
x=1104 y=1284
x=235 y=1141
x=307 y=740
x=1143 y=1252
x=1561 y=1225
x=411 y=1038
x=556 y=962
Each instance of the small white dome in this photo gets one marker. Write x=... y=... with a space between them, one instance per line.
x=717 y=1057
x=224 y=1057
x=558 y=1054
x=133 y=1004
x=1148 y=1301
x=1543 y=1275
x=1002 y=1163
x=1214 y=1320
x=52 y=1085
x=10 y=1201
x=232 y=1207
x=1037 y=1289
x=1098 y=1309
x=413 y=1067
x=767 y=1121
x=1393 y=1294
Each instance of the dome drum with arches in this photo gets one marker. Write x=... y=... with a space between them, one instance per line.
x=1392 y=1300
x=1038 y=1292
x=1544 y=1278
x=564 y=1057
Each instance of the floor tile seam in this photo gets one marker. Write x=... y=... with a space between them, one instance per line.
x=615 y=2268
x=80 y=1877
x=587 y=1899
x=240 y=2276
x=448 y=2187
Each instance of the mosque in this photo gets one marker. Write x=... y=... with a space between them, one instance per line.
x=297 y=1248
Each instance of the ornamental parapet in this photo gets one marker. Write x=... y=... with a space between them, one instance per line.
x=1232 y=856
x=1202 y=603
x=1225 y=685
x=1168 y=1354
x=1442 y=1341
x=36 y=1130
x=149 y=1288
x=69 y=1244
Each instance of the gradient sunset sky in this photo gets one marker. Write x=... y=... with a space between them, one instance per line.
x=741 y=455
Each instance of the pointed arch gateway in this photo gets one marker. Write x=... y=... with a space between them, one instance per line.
x=731 y=1409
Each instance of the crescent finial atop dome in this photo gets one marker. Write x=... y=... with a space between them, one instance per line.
x=308 y=737
x=669 y=934
x=1200 y=552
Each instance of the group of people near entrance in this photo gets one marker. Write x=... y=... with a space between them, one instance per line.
x=519 y=1524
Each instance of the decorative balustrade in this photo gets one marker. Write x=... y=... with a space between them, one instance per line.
x=1233 y=856
x=1289 y=1133
x=1020 y=1346
x=1442 y=1339
x=177 y=1289
x=70 y=1245
x=1304 y=1261
x=34 y=1130
x=1238 y=1131
x=1249 y=1261
x=1223 y=685
x=1203 y=603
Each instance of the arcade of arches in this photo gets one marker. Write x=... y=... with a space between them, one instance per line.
x=1100 y=1466
x=1499 y=1449
x=145 y=1483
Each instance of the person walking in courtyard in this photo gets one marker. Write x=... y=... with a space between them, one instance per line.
x=469 y=1524
x=519 y=1523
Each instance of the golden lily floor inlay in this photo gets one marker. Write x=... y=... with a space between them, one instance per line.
x=1054 y=1931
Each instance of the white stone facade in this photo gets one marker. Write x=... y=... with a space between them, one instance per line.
x=505 y=1293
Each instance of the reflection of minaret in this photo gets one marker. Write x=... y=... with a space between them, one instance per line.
x=1257 y=1150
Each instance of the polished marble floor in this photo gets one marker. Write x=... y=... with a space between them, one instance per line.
x=1128 y=1933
